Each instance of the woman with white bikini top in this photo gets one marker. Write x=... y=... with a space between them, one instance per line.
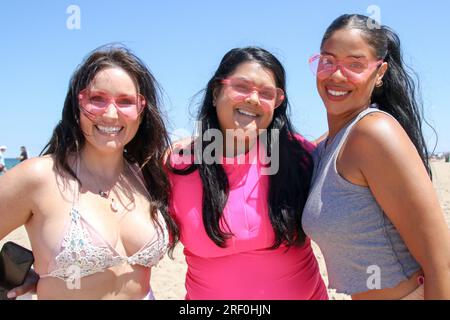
x=95 y=204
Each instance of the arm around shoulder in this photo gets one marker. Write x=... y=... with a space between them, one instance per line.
x=177 y=148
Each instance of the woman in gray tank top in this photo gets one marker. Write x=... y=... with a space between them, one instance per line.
x=372 y=208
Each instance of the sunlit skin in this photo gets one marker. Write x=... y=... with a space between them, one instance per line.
x=45 y=202
x=229 y=111
x=379 y=154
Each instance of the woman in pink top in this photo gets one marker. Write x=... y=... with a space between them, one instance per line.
x=239 y=213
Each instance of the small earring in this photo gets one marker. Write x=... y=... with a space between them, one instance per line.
x=379 y=84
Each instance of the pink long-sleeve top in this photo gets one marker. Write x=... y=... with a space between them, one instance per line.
x=245 y=269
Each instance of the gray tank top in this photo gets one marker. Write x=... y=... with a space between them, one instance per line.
x=361 y=247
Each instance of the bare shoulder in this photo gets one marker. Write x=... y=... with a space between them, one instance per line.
x=378 y=131
x=38 y=167
x=26 y=182
x=379 y=138
x=33 y=172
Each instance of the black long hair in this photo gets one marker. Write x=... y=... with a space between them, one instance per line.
x=148 y=145
x=288 y=188
x=399 y=95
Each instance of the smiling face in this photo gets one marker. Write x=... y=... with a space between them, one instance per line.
x=110 y=131
x=247 y=114
x=342 y=94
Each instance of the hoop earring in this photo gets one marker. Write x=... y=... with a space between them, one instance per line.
x=379 y=84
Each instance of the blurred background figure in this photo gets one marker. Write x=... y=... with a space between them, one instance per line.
x=23 y=154
x=2 y=160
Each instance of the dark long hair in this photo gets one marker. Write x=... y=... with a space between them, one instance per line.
x=288 y=188
x=148 y=145
x=399 y=95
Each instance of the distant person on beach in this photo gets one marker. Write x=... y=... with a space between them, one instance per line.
x=240 y=225
x=372 y=208
x=2 y=160
x=95 y=204
x=23 y=154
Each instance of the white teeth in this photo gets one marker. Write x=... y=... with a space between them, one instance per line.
x=247 y=113
x=338 y=93
x=109 y=129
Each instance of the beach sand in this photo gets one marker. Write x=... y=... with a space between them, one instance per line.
x=168 y=276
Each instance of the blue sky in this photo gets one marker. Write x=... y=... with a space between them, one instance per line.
x=183 y=42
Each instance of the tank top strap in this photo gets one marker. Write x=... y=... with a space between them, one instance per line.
x=342 y=135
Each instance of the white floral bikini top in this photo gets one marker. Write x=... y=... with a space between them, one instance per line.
x=84 y=251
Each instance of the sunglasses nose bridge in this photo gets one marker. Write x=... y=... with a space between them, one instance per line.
x=253 y=97
x=111 y=108
x=338 y=72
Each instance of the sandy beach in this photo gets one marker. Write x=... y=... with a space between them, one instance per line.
x=168 y=276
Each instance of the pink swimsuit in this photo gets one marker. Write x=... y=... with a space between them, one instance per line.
x=246 y=268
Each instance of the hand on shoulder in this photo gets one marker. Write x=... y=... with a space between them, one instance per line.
x=176 y=148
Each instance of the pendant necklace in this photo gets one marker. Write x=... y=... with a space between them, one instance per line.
x=104 y=194
x=113 y=204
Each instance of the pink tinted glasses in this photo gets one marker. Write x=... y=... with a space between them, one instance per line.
x=241 y=89
x=352 y=68
x=95 y=103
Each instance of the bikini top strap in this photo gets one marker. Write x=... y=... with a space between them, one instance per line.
x=138 y=176
x=76 y=189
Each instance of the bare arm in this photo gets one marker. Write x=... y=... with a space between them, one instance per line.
x=396 y=176
x=17 y=188
x=17 y=192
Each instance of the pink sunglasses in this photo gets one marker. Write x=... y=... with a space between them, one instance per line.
x=323 y=66
x=241 y=89
x=95 y=103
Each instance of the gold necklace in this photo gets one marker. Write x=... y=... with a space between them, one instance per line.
x=102 y=193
